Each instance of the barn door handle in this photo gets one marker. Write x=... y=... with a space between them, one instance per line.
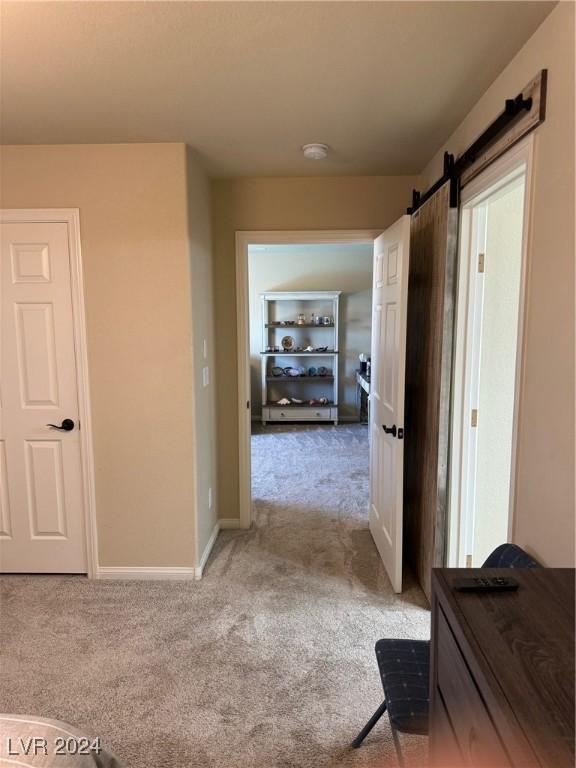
x=390 y=430
x=66 y=426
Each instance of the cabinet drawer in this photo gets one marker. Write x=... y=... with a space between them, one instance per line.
x=473 y=728
x=298 y=414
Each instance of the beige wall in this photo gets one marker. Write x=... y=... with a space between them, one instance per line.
x=133 y=218
x=200 y=238
x=370 y=202
x=544 y=511
x=346 y=268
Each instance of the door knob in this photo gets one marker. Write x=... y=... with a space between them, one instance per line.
x=66 y=426
x=390 y=430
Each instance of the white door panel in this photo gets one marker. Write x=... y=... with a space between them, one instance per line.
x=390 y=294
x=41 y=499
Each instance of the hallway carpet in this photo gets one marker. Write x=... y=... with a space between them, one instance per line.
x=268 y=662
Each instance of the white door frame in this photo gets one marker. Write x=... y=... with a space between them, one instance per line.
x=243 y=240
x=479 y=188
x=71 y=217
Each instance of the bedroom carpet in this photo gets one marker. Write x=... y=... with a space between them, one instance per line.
x=268 y=662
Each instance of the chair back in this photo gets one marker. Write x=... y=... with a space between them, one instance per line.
x=510 y=556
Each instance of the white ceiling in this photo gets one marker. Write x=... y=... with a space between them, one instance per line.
x=247 y=83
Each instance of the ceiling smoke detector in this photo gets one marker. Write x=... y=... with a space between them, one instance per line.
x=315 y=151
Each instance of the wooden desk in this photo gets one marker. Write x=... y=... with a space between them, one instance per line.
x=502 y=671
x=363 y=386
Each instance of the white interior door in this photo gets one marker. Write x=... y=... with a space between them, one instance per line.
x=390 y=299
x=41 y=499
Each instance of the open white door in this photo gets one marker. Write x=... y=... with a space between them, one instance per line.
x=389 y=310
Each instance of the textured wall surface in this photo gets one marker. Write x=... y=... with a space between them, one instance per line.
x=544 y=505
x=135 y=252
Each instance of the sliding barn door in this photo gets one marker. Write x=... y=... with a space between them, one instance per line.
x=429 y=346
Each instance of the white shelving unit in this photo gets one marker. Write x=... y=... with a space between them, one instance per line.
x=283 y=307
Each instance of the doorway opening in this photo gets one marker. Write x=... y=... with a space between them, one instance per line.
x=304 y=319
x=488 y=354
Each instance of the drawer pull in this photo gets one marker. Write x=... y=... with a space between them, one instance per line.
x=282 y=413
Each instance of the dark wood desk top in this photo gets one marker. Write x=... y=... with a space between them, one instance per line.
x=522 y=644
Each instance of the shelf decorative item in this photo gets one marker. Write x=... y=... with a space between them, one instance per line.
x=291 y=393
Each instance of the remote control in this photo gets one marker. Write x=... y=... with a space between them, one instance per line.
x=485 y=584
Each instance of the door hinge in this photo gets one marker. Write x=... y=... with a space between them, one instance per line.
x=480 y=262
x=474 y=418
x=468 y=561
x=247 y=403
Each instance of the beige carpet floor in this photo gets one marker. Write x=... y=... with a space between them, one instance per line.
x=268 y=662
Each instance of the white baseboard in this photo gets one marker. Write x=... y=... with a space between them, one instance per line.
x=145 y=572
x=199 y=570
x=168 y=572
x=229 y=523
